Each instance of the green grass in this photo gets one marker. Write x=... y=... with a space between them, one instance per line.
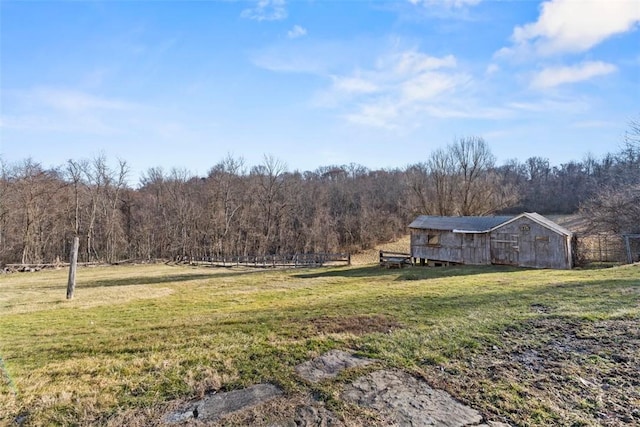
x=136 y=337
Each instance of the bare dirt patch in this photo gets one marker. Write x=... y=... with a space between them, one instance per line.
x=329 y=365
x=356 y=325
x=563 y=372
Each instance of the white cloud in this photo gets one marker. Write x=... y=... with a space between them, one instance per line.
x=379 y=114
x=570 y=26
x=556 y=76
x=429 y=85
x=354 y=85
x=266 y=10
x=492 y=69
x=399 y=87
x=296 y=32
x=412 y=62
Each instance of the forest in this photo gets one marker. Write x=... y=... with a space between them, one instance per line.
x=253 y=210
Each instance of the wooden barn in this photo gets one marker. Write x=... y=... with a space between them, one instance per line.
x=526 y=240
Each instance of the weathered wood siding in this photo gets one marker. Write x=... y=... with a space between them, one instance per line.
x=463 y=248
x=528 y=244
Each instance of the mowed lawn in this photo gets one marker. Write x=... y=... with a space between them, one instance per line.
x=138 y=338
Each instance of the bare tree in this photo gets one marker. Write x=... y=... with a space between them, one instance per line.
x=104 y=234
x=270 y=195
x=34 y=211
x=442 y=172
x=225 y=192
x=74 y=173
x=460 y=179
x=472 y=160
x=614 y=210
x=632 y=137
x=4 y=208
x=418 y=185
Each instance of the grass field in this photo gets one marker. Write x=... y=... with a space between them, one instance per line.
x=530 y=347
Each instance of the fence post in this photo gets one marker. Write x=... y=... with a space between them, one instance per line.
x=627 y=245
x=73 y=263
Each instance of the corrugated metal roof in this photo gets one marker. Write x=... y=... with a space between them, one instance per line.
x=466 y=223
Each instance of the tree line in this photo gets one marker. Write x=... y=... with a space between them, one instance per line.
x=264 y=209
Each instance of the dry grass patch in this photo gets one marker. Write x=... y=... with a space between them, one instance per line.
x=372 y=256
x=356 y=325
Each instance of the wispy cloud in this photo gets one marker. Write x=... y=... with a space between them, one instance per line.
x=569 y=26
x=556 y=76
x=354 y=84
x=446 y=3
x=62 y=109
x=545 y=105
x=309 y=56
x=74 y=100
x=296 y=32
x=266 y=10
x=399 y=86
x=595 y=124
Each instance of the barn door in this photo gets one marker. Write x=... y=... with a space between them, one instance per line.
x=504 y=248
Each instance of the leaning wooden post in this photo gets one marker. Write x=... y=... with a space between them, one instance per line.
x=73 y=263
x=627 y=246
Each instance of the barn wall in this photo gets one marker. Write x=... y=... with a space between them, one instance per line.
x=526 y=243
x=463 y=248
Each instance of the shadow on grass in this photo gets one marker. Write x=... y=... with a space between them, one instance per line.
x=146 y=280
x=313 y=320
x=410 y=273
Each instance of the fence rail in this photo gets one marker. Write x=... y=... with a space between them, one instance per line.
x=264 y=261
x=394 y=259
x=31 y=267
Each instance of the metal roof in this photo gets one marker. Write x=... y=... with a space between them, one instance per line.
x=480 y=224
x=462 y=223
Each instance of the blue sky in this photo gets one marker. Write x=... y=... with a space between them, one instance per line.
x=314 y=83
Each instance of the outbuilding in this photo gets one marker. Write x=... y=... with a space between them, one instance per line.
x=526 y=240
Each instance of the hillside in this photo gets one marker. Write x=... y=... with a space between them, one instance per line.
x=371 y=256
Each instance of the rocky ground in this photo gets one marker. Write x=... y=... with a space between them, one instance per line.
x=564 y=372
x=387 y=397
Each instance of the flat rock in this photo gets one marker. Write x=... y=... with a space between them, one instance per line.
x=404 y=400
x=329 y=365
x=217 y=406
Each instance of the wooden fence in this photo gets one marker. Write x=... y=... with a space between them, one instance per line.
x=41 y=266
x=265 y=261
x=394 y=259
